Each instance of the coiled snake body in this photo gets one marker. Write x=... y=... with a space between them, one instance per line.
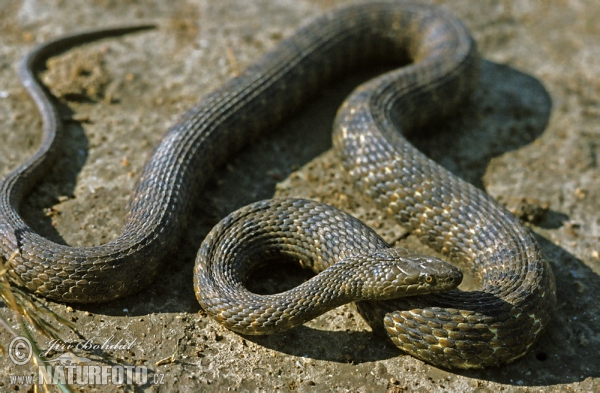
x=488 y=327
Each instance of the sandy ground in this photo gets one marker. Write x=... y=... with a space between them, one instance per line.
x=530 y=133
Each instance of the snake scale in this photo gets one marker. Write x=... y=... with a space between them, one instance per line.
x=427 y=317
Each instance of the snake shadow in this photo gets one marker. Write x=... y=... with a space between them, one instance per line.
x=509 y=110
x=60 y=180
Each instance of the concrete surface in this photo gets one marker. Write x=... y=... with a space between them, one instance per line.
x=530 y=137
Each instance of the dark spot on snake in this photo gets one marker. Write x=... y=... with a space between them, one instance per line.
x=541 y=356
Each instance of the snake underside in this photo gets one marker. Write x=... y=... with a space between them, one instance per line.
x=488 y=327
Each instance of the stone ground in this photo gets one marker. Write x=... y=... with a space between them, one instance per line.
x=530 y=137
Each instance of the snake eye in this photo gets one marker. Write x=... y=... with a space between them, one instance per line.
x=429 y=279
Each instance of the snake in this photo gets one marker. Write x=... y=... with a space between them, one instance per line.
x=411 y=298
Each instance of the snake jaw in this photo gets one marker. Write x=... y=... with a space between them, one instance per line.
x=441 y=282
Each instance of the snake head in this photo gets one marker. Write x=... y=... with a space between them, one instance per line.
x=396 y=272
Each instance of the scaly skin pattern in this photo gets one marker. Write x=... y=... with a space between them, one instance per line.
x=488 y=327
x=353 y=263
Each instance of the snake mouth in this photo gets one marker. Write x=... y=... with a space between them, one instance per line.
x=444 y=282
